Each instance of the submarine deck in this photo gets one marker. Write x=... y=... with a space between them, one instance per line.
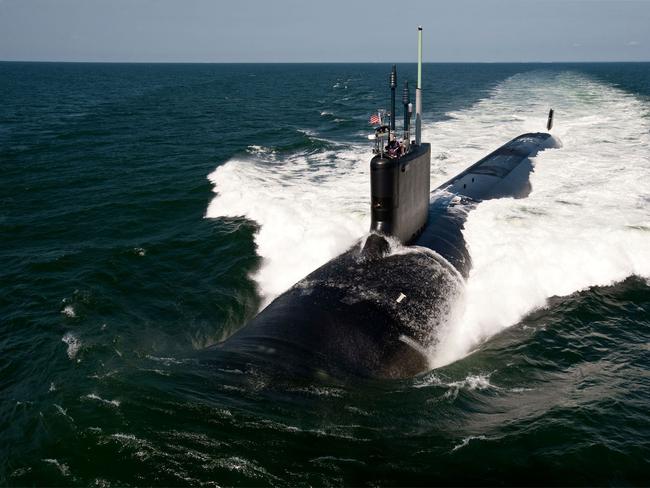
x=485 y=178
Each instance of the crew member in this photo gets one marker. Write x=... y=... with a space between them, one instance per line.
x=394 y=148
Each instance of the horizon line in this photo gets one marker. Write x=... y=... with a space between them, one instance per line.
x=314 y=62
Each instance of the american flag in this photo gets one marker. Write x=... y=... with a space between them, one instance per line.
x=375 y=119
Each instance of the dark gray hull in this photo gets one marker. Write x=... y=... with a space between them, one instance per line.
x=375 y=310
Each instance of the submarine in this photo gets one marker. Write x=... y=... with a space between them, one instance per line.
x=375 y=310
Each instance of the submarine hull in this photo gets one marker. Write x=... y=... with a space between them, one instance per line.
x=359 y=314
x=376 y=309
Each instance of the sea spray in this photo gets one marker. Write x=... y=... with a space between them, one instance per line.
x=308 y=211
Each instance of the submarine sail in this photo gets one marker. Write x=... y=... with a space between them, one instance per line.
x=400 y=173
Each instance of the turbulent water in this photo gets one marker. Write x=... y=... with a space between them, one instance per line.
x=149 y=211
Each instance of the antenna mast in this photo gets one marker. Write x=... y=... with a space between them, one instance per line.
x=406 y=100
x=393 y=85
x=418 y=92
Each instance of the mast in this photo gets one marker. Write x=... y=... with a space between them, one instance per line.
x=393 y=85
x=406 y=100
x=418 y=92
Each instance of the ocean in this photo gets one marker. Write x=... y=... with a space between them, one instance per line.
x=149 y=210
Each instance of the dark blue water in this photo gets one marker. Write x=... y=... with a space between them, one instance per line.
x=112 y=279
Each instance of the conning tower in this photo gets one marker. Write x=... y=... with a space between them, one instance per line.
x=400 y=170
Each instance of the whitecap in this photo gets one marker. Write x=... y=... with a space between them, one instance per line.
x=467 y=440
x=63 y=412
x=74 y=344
x=69 y=311
x=63 y=468
x=95 y=397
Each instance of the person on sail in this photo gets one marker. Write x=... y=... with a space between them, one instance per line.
x=394 y=148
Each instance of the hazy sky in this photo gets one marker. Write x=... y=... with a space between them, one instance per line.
x=324 y=30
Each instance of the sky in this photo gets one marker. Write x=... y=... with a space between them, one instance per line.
x=324 y=31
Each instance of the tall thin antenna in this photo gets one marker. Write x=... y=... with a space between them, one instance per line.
x=418 y=92
x=393 y=85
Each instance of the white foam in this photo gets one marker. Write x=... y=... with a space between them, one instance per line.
x=111 y=403
x=309 y=208
x=63 y=468
x=63 y=412
x=69 y=311
x=467 y=440
x=73 y=345
x=470 y=383
x=585 y=223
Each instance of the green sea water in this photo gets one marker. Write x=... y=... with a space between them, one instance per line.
x=120 y=260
